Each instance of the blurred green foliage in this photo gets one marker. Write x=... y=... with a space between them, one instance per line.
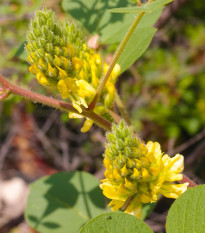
x=170 y=85
x=14 y=19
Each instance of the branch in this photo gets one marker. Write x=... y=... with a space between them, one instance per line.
x=61 y=105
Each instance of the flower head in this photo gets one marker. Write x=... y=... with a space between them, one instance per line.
x=138 y=173
x=60 y=58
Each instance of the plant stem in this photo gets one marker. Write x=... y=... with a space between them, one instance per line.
x=121 y=107
x=61 y=105
x=186 y=179
x=139 y=3
x=115 y=58
x=114 y=61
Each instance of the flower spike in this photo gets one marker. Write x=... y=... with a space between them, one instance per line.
x=141 y=175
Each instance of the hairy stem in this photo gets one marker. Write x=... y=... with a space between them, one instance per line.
x=61 y=105
x=121 y=107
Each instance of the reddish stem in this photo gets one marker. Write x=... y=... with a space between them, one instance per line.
x=61 y=105
x=186 y=179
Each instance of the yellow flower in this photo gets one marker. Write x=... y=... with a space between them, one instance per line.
x=138 y=173
x=64 y=62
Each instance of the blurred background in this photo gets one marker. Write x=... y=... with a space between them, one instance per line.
x=164 y=93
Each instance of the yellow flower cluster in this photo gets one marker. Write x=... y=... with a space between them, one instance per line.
x=60 y=58
x=137 y=173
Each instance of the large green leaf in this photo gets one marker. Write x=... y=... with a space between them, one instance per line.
x=112 y=28
x=136 y=46
x=116 y=222
x=114 y=33
x=93 y=14
x=187 y=214
x=145 y=8
x=64 y=202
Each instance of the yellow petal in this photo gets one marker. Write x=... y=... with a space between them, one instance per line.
x=77 y=63
x=71 y=50
x=177 y=163
x=145 y=198
x=66 y=51
x=62 y=73
x=145 y=173
x=144 y=161
x=65 y=62
x=154 y=171
x=110 y=88
x=74 y=115
x=173 y=177
x=116 y=204
x=32 y=69
x=30 y=59
x=108 y=163
x=108 y=174
x=135 y=173
x=57 y=61
x=77 y=107
x=86 y=90
x=116 y=174
x=135 y=207
x=122 y=189
x=173 y=190
x=87 y=125
x=154 y=148
x=124 y=171
x=138 y=163
x=42 y=63
x=29 y=47
x=63 y=89
x=113 y=193
x=43 y=80
x=128 y=184
x=52 y=71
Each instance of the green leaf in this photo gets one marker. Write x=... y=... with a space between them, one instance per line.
x=116 y=222
x=136 y=46
x=187 y=214
x=64 y=202
x=145 y=8
x=114 y=33
x=147 y=209
x=20 y=53
x=93 y=14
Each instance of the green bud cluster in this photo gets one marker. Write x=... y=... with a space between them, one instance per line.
x=59 y=57
x=121 y=140
x=138 y=172
x=126 y=156
x=54 y=49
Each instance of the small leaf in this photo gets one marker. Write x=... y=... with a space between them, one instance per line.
x=147 y=209
x=20 y=53
x=116 y=222
x=187 y=214
x=64 y=201
x=145 y=8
